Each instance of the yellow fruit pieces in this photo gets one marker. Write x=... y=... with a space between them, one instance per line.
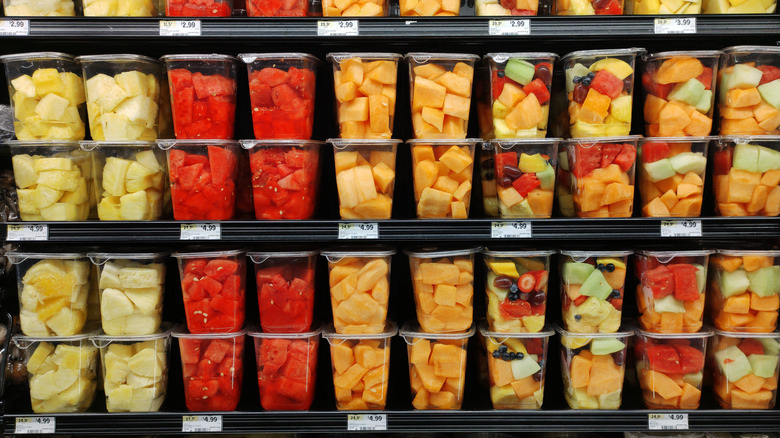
x=359 y=292
x=366 y=91
x=665 y=7
x=593 y=381
x=584 y=312
x=63 y=377
x=53 y=297
x=35 y=8
x=135 y=375
x=443 y=292
x=495 y=8
x=513 y=382
x=123 y=107
x=442 y=180
x=599 y=114
x=739 y=6
x=120 y=8
x=437 y=369
x=441 y=99
x=429 y=8
x=746 y=105
x=131 y=297
x=354 y=8
x=361 y=369
x=365 y=182
x=53 y=188
x=132 y=188
x=46 y=105
x=509 y=270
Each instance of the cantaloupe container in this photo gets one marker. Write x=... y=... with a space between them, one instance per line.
x=361 y=368
x=34 y=8
x=359 y=281
x=662 y=7
x=442 y=171
x=440 y=93
x=354 y=8
x=587 y=7
x=487 y=173
x=670 y=290
x=744 y=369
x=525 y=176
x=443 y=281
x=47 y=95
x=365 y=87
x=600 y=86
x=563 y=197
x=365 y=177
x=670 y=368
x=593 y=366
x=671 y=175
x=198 y=8
x=592 y=290
x=748 y=103
x=264 y=8
x=736 y=7
x=518 y=7
x=437 y=366
x=602 y=175
x=747 y=175
x=744 y=288
x=117 y=8
x=430 y=8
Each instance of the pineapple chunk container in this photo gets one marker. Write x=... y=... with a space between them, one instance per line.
x=747 y=175
x=739 y=7
x=120 y=8
x=524 y=176
x=354 y=8
x=47 y=95
x=429 y=8
x=662 y=7
x=587 y=7
x=35 y=8
x=515 y=7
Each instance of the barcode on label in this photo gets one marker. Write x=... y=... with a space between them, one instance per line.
x=337 y=28
x=201 y=423
x=509 y=27
x=510 y=230
x=361 y=230
x=35 y=425
x=667 y=421
x=27 y=232
x=681 y=228
x=180 y=28
x=201 y=232
x=367 y=422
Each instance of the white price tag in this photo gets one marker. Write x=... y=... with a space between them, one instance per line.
x=337 y=28
x=367 y=422
x=201 y=232
x=179 y=27
x=35 y=425
x=510 y=230
x=689 y=228
x=14 y=27
x=27 y=232
x=675 y=25
x=201 y=423
x=667 y=421
x=359 y=230
x=509 y=27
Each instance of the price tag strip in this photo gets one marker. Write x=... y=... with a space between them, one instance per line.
x=179 y=27
x=667 y=421
x=510 y=230
x=509 y=27
x=201 y=232
x=27 y=232
x=35 y=425
x=201 y=423
x=683 y=228
x=359 y=230
x=367 y=422
x=14 y=27
x=337 y=28
x=675 y=25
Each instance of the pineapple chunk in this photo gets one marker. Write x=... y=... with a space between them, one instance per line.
x=73 y=88
x=139 y=277
x=155 y=200
x=149 y=160
x=139 y=109
x=60 y=179
x=25 y=86
x=114 y=303
x=26 y=199
x=24 y=107
x=53 y=163
x=134 y=83
x=145 y=299
x=61 y=211
x=65 y=377
x=119 y=399
x=24 y=171
x=109 y=277
x=133 y=206
x=46 y=81
x=67 y=322
x=52 y=108
x=138 y=177
x=44 y=196
x=31 y=324
x=146 y=363
x=114 y=173
x=142 y=324
x=38 y=357
x=108 y=209
x=43 y=386
x=78 y=196
x=80 y=393
x=114 y=327
x=104 y=91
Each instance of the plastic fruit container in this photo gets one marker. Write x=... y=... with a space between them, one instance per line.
x=592 y=287
x=594 y=7
x=670 y=368
x=286 y=369
x=430 y=8
x=47 y=95
x=212 y=285
x=593 y=366
x=442 y=171
x=524 y=172
x=487 y=175
x=437 y=366
x=365 y=88
x=746 y=176
x=61 y=372
x=203 y=95
x=499 y=8
x=516 y=287
x=735 y=7
x=53 y=180
x=443 y=281
x=265 y=8
x=365 y=177
x=602 y=175
x=285 y=177
x=198 y=8
x=285 y=289
x=359 y=281
x=203 y=176
x=354 y=8
x=34 y=8
x=563 y=197
x=517 y=365
x=600 y=86
x=213 y=369
x=670 y=290
x=440 y=93
x=667 y=7
x=744 y=288
x=671 y=175
x=361 y=368
x=744 y=369
x=124 y=8
x=747 y=103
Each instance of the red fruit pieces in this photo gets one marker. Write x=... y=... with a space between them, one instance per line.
x=691 y=359
x=612 y=8
x=498 y=84
x=526 y=183
x=514 y=309
x=197 y=8
x=505 y=159
x=203 y=106
x=664 y=359
x=659 y=280
x=771 y=73
x=705 y=78
x=286 y=298
x=286 y=373
x=213 y=370
x=586 y=159
x=539 y=88
x=213 y=295
x=685 y=286
x=654 y=88
x=284 y=182
x=722 y=161
x=609 y=152
x=606 y=83
x=751 y=346
x=653 y=151
x=203 y=187
x=277 y=8
x=282 y=102
x=526 y=282
x=626 y=157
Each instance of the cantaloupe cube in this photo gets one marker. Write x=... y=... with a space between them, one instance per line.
x=464 y=70
x=430 y=381
x=456 y=106
x=370 y=88
x=420 y=351
x=758 y=199
x=353 y=129
x=616 y=192
x=433 y=203
x=384 y=177
x=511 y=95
x=764 y=304
x=672 y=119
x=455 y=84
x=671 y=322
x=450 y=6
x=342 y=357
x=741 y=98
x=380 y=207
x=422 y=152
x=444 y=294
x=731 y=113
x=527 y=114
x=463 y=190
x=580 y=371
x=772 y=206
x=346 y=91
x=443 y=400
x=741 y=185
x=750 y=383
x=456 y=159
x=770 y=178
x=692 y=178
x=433 y=117
x=509 y=197
x=595 y=107
x=690 y=397
x=427 y=93
x=458 y=210
x=591 y=194
x=605 y=376
x=446 y=184
x=737 y=303
x=379 y=113
x=429 y=71
x=653 y=107
x=762 y=322
x=700 y=125
x=669 y=183
x=383 y=71
x=439 y=273
x=655 y=208
x=743 y=400
x=355 y=110
x=678 y=148
x=425 y=301
x=364 y=183
x=660 y=384
x=747 y=126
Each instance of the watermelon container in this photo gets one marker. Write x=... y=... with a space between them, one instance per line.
x=203 y=95
x=443 y=281
x=281 y=91
x=493 y=8
x=286 y=369
x=365 y=177
x=670 y=368
x=442 y=173
x=128 y=8
x=198 y=8
x=440 y=93
x=671 y=287
x=524 y=171
x=365 y=86
x=361 y=367
x=517 y=365
x=746 y=177
x=671 y=175
x=595 y=7
x=32 y=8
x=430 y=8
x=264 y=8
x=747 y=107
x=602 y=175
x=744 y=369
x=438 y=386
x=644 y=7
x=752 y=7
x=355 y=8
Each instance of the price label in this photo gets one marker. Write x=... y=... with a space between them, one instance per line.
x=510 y=230
x=179 y=27
x=14 y=27
x=367 y=422
x=675 y=25
x=201 y=232
x=667 y=421
x=35 y=425
x=509 y=27
x=689 y=228
x=27 y=232
x=201 y=423
x=337 y=28
x=359 y=230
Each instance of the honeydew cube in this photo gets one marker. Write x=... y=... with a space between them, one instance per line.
x=744 y=76
x=24 y=85
x=104 y=91
x=61 y=211
x=770 y=92
x=51 y=108
x=114 y=303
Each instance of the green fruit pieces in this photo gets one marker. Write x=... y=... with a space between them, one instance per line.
x=733 y=363
x=763 y=365
x=733 y=283
x=669 y=304
x=689 y=162
x=659 y=170
x=596 y=286
x=576 y=273
x=689 y=92
x=765 y=281
x=520 y=71
x=601 y=346
x=770 y=92
x=745 y=157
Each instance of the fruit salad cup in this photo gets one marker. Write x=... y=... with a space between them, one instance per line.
x=670 y=290
x=286 y=369
x=509 y=7
x=354 y=8
x=602 y=175
x=670 y=368
x=285 y=177
x=563 y=196
x=365 y=177
x=34 y=8
x=744 y=288
x=443 y=172
x=587 y=7
x=124 y=8
x=516 y=366
x=749 y=90
x=487 y=173
x=359 y=281
x=525 y=176
x=671 y=175
x=285 y=289
x=198 y=8
x=429 y=8
x=212 y=285
x=600 y=85
x=47 y=95
x=593 y=367
x=592 y=287
x=747 y=176
x=736 y=7
x=365 y=88
x=744 y=369
x=361 y=368
x=663 y=7
x=203 y=95
x=440 y=93
x=265 y=8
x=213 y=369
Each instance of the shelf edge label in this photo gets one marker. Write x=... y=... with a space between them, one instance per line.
x=510 y=230
x=35 y=425
x=27 y=232
x=667 y=421
x=358 y=230
x=674 y=25
x=337 y=28
x=681 y=228
x=201 y=423
x=9 y=27
x=509 y=27
x=367 y=422
x=179 y=27
x=201 y=232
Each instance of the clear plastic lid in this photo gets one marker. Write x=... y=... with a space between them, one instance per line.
x=583 y=255
x=748 y=252
x=36 y=55
x=505 y=56
x=775 y=334
x=594 y=140
x=101 y=339
x=412 y=330
x=341 y=143
x=679 y=53
x=704 y=332
x=16 y=257
x=39 y=143
x=754 y=49
x=121 y=57
x=249 y=58
x=433 y=252
x=603 y=53
x=445 y=142
x=89 y=145
x=744 y=139
x=250 y=144
x=673 y=254
x=168 y=144
x=100 y=258
x=329 y=333
x=510 y=143
x=182 y=332
x=358 y=251
x=626 y=332
x=208 y=254
x=677 y=139
x=498 y=252
x=261 y=256
x=255 y=332
x=427 y=56
x=546 y=332
x=198 y=57
x=24 y=341
x=337 y=57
